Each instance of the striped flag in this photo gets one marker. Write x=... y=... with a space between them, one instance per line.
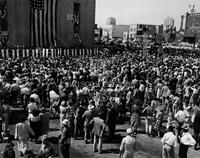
x=83 y=53
x=13 y=53
x=65 y=53
x=43 y=22
x=23 y=53
x=52 y=53
x=33 y=53
x=2 y=53
x=7 y=54
x=47 y=53
x=80 y=53
x=17 y=53
x=60 y=52
x=37 y=53
x=68 y=52
x=75 y=53
x=43 y=52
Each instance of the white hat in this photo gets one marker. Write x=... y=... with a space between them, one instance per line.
x=110 y=86
x=186 y=126
x=90 y=107
x=65 y=122
x=129 y=131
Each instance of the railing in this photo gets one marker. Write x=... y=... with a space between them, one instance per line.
x=14 y=53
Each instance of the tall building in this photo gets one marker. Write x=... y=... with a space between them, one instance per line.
x=151 y=31
x=192 y=26
x=168 y=23
x=50 y=23
x=114 y=30
x=111 y=21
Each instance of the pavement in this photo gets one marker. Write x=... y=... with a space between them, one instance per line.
x=146 y=147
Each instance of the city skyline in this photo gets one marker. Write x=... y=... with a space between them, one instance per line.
x=143 y=11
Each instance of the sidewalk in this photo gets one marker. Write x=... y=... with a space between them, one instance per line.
x=146 y=147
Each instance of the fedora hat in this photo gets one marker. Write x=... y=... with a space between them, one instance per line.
x=129 y=131
x=65 y=122
x=186 y=126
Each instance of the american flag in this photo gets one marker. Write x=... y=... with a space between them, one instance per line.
x=43 y=23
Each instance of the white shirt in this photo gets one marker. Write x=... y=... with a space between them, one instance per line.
x=36 y=97
x=32 y=106
x=187 y=139
x=180 y=116
x=170 y=139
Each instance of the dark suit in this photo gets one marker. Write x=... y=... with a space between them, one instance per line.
x=111 y=121
x=196 y=128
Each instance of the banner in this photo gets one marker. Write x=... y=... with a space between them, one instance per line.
x=23 y=53
x=65 y=53
x=17 y=53
x=43 y=22
x=37 y=53
x=13 y=53
x=68 y=52
x=7 y=54
x=2 y=53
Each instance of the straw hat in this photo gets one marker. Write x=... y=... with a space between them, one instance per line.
x=129 y=131
x=65 y=122
x=186 y=126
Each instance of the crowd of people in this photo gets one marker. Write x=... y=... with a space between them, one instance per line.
x=91 y=94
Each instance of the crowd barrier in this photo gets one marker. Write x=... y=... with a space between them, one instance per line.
x=47 y=53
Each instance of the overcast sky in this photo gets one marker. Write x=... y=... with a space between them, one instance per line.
x=142 y=11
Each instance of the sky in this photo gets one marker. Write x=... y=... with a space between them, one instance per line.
x=142 y=11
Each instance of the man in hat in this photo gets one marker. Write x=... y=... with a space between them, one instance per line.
x=99 y=127
x=127 y=146
x=78 y=121
x=180 y=117
x=35 y=96
x=186 y=141
x=14 y=91
x=22 y=134
x=88 y=116
x=111 y=118
x=169 y=142
x=65 y=139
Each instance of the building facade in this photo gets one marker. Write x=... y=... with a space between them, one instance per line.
x=75 y=23
x=192 y=27
x=141 y=30
x=168 y=23
x=115 y=31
